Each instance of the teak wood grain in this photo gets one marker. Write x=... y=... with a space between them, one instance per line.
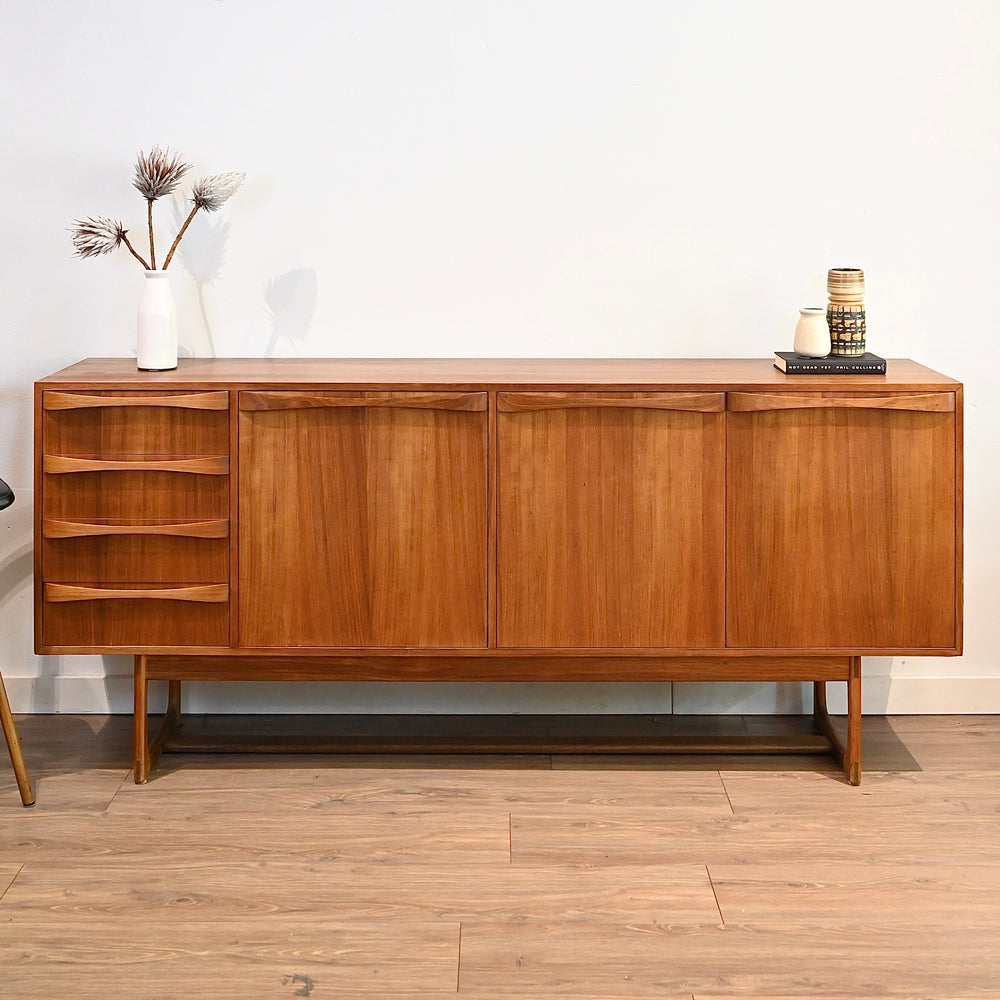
x=185 y=401
x=498 y=665
x=127 y=495
x=519 y=374
x=499 y=519
x=114 y=625
x=113 y=425
x=79 y=551
x=695 y=402
x=144 y=557
x=65 y=528
x=212 y=466
x=841 y=528
x=258 y=401
x=363 y=526
x=134 y=521
x=928 y=402
x=214 y=593
x=611 y=525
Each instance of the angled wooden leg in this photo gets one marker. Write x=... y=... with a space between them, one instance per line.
x=820 y=712
x=822 y=721
x=852 y=751
x=170 y=721
x=174 y=700
x=140 y=723
x=147 y=750
x=848 y=750
x=14 y=746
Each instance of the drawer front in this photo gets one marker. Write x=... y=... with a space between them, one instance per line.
x=117 y=423
x=99 y=617
x=75 y=551
x=134 y=545
x=135 y=495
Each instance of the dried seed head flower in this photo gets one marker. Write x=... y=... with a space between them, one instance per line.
x=157 y=174
x=99 y=235
x=211 y=193
x=96 y=236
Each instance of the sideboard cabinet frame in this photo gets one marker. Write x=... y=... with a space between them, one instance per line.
x=518 y=520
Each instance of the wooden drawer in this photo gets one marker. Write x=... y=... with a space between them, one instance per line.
x=92 y=424
x=135 y=519
x=115 y=455
x=81 y=616
x=136 y=491
x=192 y=551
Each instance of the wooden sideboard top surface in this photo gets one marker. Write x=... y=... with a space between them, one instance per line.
x=489 y=373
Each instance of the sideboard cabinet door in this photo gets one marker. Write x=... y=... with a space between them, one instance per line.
x=611 y=523
x=362 y=519
x=843 y=521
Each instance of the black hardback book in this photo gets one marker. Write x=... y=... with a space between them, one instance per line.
x=833 y=364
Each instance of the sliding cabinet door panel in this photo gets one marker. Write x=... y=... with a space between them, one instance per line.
x=363 y=519
x=611 y=520
x=842 y=522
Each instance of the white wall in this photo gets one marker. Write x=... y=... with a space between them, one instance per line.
x=510 y=177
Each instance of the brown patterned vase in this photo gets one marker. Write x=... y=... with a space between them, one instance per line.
x=845 y=313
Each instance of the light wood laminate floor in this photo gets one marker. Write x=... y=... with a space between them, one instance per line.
x=531 y=876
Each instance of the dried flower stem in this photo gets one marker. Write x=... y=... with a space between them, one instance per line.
x=152 y=249
x=156 y=175
x=134 y=254
x=177 y=238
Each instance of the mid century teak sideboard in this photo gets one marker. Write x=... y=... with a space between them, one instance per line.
x=497 y=520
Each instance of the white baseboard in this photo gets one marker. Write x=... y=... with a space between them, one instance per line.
x=881 y=695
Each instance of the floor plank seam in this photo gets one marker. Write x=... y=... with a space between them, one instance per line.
x=228 y=870
x=121 y=785
x=725 y=788
x=715 y=895
x=12 y=881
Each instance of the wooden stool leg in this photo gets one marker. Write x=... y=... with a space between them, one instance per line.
x=14 y=746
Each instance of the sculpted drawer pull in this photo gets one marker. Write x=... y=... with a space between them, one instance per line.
x=187 y=401
x=696 y=402
x=210 y=466
x=929 y=402
x=63 y=528
x=260 y=401
x=209 y=593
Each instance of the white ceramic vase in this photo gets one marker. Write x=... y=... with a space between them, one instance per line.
x=156 y=334
x=812 y=333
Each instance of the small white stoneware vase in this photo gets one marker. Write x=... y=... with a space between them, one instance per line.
x=812 y=333
x=156 y=333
